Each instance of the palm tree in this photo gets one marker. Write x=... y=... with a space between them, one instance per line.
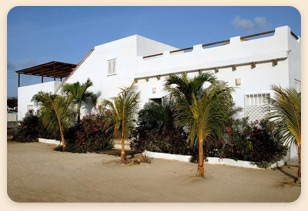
x=285 y=114
x=189 y=86
x=122 y=113
x=56 y=112
x=80 y=95
x=205 y=111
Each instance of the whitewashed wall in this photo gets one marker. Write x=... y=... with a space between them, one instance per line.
x=131 y=65
x=25 y=94
x=125 y=51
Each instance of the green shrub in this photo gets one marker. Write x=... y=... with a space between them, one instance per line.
x=252 y=142
x=28 y=128
x=157 y=131
x=266 y=149
x=94 y=133
x=31 y=128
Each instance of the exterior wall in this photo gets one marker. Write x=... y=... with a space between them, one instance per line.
x=228 y=62
x=240 y=53
x=294 y=55
x=125 y=52
x=25 y=94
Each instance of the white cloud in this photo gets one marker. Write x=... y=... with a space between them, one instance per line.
x=259 y=23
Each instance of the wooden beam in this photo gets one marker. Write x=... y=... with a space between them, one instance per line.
x=275 y=62
x=233 y=67
x=18 y=79
x=253 y=65
x=54 y=71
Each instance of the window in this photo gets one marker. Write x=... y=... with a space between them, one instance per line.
x=256 y=99
x=256 y=106
x=112 y=68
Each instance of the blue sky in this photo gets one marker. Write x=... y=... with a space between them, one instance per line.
x=41 y=34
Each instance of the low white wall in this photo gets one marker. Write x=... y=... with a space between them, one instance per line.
x=49 y=141
x=211 y=160
x=11 y=117
x=118 y=144
x=185 y=158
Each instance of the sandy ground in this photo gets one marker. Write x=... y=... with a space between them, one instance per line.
x=36 y=173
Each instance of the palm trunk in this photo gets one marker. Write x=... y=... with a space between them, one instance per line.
x=200 y=162
x=78 y=113
x=62 y=137
x=123 y=149
x=299 y=172
x=60 y=127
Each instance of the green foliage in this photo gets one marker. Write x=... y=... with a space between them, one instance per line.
x=12 y=102
x=157 y=130
x=187 y=87
x=285 y=115
x=55 y=111
x=266 y=149
x=80 y=95
x=122 y=110
x=207 y=115
x=254 y=142
x=31 y=128
x=94 y=133
x=28 y=130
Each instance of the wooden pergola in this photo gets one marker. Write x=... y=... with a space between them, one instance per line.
x=52 y=69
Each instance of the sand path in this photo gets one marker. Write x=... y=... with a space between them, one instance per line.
x=36 y=173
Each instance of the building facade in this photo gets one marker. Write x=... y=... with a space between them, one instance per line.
x=251 y=64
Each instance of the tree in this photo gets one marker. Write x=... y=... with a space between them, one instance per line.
x=12 y=102
x=285 y=114
x=122 y=113
x=80 y=95
x=56 y=112
x=204 y=111
x=189 y=86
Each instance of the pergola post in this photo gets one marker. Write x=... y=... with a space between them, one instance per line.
x=42 y=80
x=54 y=71
x=18 y=79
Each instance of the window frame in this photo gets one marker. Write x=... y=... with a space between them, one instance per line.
x=109 y=62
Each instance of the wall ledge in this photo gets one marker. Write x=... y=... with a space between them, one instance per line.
x=211 y=160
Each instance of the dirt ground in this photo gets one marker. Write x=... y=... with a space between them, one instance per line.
x=37 y=173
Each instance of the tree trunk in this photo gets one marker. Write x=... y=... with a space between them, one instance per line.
x=200 y=162
x=60 y=127
x=78 y=113
x=299 y=172
x=123 y=149
x=62 y=137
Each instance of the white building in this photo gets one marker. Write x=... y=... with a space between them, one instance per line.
x=251 y=64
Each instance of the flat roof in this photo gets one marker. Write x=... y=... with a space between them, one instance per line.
x=54 y=69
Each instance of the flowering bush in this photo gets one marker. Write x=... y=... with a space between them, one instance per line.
x=252 y=142
x=266 y=149
x=94 y=133
x=236 y=142
x=31 y=128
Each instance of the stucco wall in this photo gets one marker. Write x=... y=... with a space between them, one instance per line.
x=25 y=94
x=131 y=65
x=125 y=52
